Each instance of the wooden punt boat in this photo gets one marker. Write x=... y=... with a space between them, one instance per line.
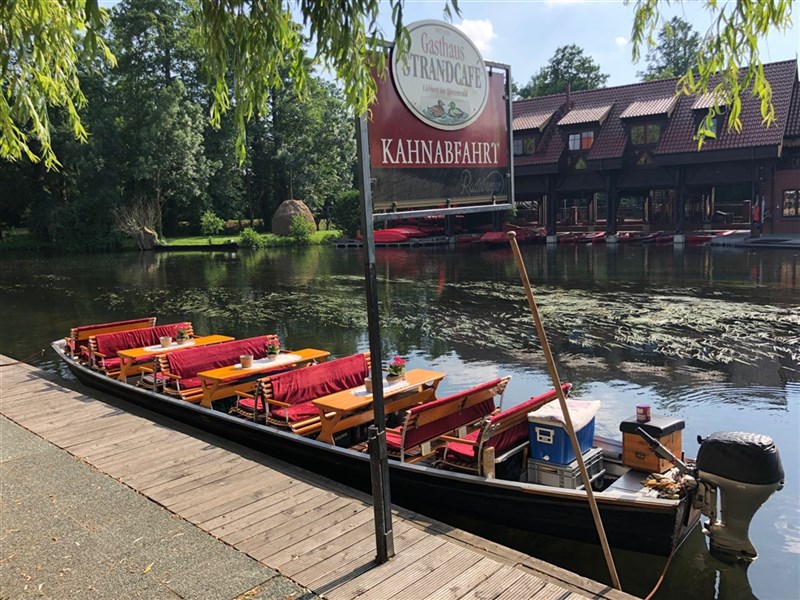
x=633 y=518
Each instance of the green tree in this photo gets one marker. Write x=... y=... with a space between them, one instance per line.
x=245 y=45
x=568 y=66
x=728 y=65
x=675 y=53
x=160 y=127
x=346 y=212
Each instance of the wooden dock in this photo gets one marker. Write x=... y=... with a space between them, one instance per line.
x=310 y=529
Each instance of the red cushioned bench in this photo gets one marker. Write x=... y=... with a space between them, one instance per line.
x=499 y=437
x=288 y=396
x=179 y=369
x=424 y=423
x=104 y=347
x=77 y=342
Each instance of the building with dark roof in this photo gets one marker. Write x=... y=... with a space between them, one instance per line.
x=628 y=157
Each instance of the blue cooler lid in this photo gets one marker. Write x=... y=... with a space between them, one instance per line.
x=657 y=426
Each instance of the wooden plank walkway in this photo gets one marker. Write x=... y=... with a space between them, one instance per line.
x=313 y=530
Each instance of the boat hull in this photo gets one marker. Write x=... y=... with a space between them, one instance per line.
x=654 y=527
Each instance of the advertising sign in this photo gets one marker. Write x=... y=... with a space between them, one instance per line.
x=438 y=132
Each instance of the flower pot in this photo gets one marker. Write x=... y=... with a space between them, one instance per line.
x=273 y=355
x=391 y=379
x=166 y=341
x=246 y=361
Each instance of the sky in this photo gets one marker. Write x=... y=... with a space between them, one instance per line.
x=526 y=33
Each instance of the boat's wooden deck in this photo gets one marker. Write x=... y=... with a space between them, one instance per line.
x=310 y=529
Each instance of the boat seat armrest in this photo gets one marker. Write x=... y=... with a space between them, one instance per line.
x=450 y=438
x=279 y=403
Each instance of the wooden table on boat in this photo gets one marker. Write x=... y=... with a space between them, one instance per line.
x=127 y=358
x=351 y=407
x=227 y=381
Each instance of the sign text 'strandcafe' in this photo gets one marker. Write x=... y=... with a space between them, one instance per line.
x=439 y=128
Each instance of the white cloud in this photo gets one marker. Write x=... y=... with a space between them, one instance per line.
x=621 y=41
x=481 y=33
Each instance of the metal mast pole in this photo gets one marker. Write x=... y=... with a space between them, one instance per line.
x=379 y=458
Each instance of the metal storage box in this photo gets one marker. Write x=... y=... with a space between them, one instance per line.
x=566 y=476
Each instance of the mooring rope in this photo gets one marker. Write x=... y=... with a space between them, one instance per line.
x=661 y=579
x=40 y=354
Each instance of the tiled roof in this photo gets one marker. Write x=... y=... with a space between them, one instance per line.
x=650 y=108
x=678 y=135
x=581 y=116
x=531 y=120
x=793 y=124
x=703 y=101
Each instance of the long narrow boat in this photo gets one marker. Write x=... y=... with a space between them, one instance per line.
x=633 y=517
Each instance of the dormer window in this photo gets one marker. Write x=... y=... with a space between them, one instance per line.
x=581 y=141
x=643 y=134
x=525 y=145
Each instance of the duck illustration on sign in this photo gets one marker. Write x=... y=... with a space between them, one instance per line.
x=446 y=115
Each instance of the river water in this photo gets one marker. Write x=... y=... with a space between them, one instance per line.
x=710 y=335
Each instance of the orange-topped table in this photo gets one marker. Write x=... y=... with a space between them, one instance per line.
x=128 y=357
x=353 y=406
x=227 y=381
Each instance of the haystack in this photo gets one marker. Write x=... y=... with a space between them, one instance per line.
x=286 y=213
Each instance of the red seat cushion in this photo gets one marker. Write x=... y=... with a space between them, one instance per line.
x=393 y=440
x=509 y=438
x=186 y=383
x=303 y=385
x=250 y=403
x=298 y=412
x=189 y=362
x=110 y=343
x=110 y=363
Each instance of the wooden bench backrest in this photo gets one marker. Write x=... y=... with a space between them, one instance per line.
x=144 y=336
x=84 y=332
x=268 y=394
x=510 y=428
x=428 y=421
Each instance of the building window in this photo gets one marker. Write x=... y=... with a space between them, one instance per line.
x=791 y=203
x=716 y=122
x=645 y=134
x=524 y=145
x=581 y=141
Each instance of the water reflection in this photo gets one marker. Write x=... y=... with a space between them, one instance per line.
x=709 y=335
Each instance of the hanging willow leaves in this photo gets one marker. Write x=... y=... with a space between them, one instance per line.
x=728 y=65
x=41 y=43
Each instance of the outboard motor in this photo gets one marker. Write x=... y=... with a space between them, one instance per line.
x=745 y=468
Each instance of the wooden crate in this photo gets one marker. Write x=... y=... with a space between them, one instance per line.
x=637 y=453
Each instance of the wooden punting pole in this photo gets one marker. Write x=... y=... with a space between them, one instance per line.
x=562 y=400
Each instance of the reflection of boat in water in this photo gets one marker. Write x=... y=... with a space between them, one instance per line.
x=525 y=235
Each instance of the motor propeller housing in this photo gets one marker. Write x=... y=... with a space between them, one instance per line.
x=745 y=470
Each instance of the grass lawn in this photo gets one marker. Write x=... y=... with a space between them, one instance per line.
x=201 y=240
x=270 y=240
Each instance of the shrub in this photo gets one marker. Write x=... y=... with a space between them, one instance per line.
x=347 y=212
x=300 y=229
x=211 y=224
x=250 y=238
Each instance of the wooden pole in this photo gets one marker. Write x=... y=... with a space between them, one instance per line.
x=551 y=366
